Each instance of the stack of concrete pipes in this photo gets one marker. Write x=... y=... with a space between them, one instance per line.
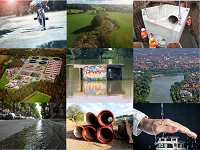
x=98 y=126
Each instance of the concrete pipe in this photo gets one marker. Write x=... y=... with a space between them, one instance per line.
x=78 y=131
x=105 y=118
x=89 y=133
x=105 y=135
x=90 y=118
x=122 y=131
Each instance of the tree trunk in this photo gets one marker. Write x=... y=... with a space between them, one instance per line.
x=43 y=107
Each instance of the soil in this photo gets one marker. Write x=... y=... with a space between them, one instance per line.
x=74 y=143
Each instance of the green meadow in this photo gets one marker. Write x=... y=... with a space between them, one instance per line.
x=38 y=97
x=75 y=22
x=123 y=37
x=120 y=38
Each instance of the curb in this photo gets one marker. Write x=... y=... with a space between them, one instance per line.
x=58 y=128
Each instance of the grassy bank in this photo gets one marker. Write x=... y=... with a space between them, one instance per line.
x=76 y=24
x=123 y=37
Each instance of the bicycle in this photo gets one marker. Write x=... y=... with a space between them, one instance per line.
x=41 y=15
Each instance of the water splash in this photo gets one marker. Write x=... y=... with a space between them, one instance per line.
x=155 y=141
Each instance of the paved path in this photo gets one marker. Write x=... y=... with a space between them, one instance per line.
x=27 y=33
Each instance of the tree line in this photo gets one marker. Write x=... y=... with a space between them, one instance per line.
x=25 y=109
x=95 y=53
x=20 y=7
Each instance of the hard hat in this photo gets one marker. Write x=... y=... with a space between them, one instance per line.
x=189 y=17
x=143 y=29
x=152 y=39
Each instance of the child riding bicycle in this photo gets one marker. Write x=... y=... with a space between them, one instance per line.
x=35 y=3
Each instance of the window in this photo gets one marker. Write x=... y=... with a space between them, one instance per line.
x=169 y=146
x=168 y=139
x=173 y=139
x=162 y=139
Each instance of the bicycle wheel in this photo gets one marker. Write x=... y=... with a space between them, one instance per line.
x=43 y=19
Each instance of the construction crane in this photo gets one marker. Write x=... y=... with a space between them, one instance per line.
x=74 y=117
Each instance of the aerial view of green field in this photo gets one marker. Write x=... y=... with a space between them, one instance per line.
x=99 y=26
x=37 y=97
x=123 y=36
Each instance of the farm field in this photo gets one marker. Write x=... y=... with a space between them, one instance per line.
x=123 y=37
x=75 y=22
x=38 y=97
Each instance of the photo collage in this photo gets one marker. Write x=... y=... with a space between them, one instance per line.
x=99 y=74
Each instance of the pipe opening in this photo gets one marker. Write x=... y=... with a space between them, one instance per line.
x=89 y=118
x=105 y=134
x=90 y=133
x=106 y=118
x=173 y=19
x=78 y=132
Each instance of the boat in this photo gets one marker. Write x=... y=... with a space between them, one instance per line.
x=170 y=143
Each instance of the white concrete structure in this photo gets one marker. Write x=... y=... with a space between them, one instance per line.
x=156 y=20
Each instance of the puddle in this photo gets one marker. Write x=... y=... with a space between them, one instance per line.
x=40 y=29
x=3 y=32
x=54 y=44
x=38 y=136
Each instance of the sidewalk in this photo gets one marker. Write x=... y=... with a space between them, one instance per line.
x=59 y=127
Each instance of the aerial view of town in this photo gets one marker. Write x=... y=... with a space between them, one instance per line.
x=23 y=76
x=170 y=75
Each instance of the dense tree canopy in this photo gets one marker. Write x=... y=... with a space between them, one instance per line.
x=97 y=21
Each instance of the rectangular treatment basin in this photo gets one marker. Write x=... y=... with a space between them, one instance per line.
x=157 y=21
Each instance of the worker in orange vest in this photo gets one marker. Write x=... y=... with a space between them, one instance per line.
x=188 y=22
x=152 y=43
x=144 y=35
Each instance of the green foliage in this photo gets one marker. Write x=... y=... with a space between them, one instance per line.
x=85 y=10
x=25 y=109
x=97 y=21
x=73 y=109
x=103 y=38
x=141 y=88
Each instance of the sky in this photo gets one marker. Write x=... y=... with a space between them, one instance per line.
x=100 y=1
x=116 y=108
x=39 y=109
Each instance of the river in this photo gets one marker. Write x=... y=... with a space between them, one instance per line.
x=160 y=88
x=112 y=91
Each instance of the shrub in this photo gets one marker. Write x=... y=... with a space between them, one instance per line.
x=97 y=21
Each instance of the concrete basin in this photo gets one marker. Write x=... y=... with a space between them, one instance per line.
x=161 y=20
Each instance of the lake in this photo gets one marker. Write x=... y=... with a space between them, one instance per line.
x=160 y=88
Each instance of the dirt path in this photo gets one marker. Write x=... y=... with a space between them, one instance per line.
x=74 y=143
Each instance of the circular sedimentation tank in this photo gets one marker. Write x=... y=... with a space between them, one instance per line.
x=56 y=59
x=42 y=62
x=35 y=57
x=32 y=61
x=45 y=59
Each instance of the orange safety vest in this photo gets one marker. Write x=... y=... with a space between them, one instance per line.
x=188 y=22
x=144 y=34
x=153 y=44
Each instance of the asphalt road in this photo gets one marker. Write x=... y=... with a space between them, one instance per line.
x=37 y=134
x=25 y=32
x=10 y=127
